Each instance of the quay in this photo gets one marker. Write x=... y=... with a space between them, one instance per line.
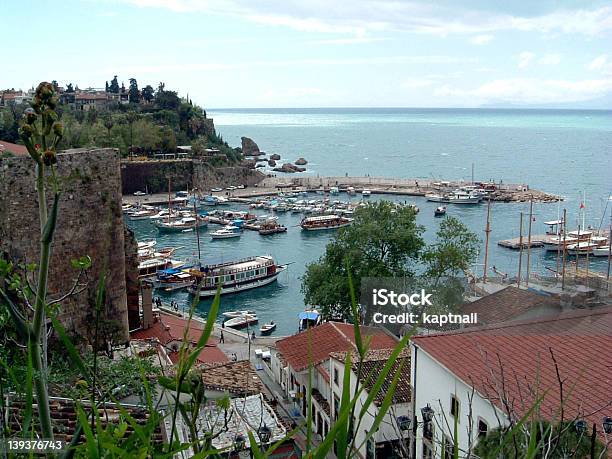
x=514 y=243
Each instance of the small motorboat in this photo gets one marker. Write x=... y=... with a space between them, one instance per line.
x=266 y=329
x=440 y=211
x=241 y=321
x=233 y=314
x=224 y=233
x=366 y=193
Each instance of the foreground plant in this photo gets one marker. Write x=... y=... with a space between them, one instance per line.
x=41 y=132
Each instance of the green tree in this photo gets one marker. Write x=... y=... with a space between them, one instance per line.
x=133 y=92
x=114 y=85
x=131 y=118
x=454 y=250
x=108 y=124
x=383 y=241
x=148 y=93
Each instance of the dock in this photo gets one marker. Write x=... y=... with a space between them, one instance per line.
x=515 y=243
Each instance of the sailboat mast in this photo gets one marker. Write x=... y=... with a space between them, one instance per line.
x=520 y=251
x=169 y=198
x=529 y=238
x=487 y=231
x=195 y=211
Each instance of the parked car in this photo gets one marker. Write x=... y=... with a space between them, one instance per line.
x=216 y=190
x=139 y=193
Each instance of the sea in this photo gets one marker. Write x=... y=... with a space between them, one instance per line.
x=564 y=152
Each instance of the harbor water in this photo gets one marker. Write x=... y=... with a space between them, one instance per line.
x=563 y=152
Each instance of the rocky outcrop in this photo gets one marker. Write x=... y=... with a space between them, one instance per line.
x=275 y=156
x=250 y=163
x=271 y=163
x=289 y=168
x=301 y=162
x=261 y=160
x=249 y=147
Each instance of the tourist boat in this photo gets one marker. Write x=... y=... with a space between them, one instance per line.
x=183 y=224
x=325 y=222
x=171 y=279
x=334 y=190
x=233 y=314
x=236 y=276
x=456 y=197
x=143 y=214
x=241 y=321
x=587 y=247
x=225 y=233
x=147 y=244
x=266 y=329
x=366 y=193
x=272 y=227
x=440 y=211
x=556 y=243
x=150 y=266
x=581 y=235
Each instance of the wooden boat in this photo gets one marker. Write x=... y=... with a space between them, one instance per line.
x=236 y=276
x=241 y=321
x=601 y=251
x=440 y=211
x=556 y=243
x=266 y=329
x=184 y=224
x=150 y=266
x=271 y=228
x=325 y=222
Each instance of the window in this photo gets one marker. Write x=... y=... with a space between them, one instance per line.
x=454 y=406
x=335 y=376
x=483 y=428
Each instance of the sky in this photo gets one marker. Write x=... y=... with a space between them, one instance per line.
x=321 y=53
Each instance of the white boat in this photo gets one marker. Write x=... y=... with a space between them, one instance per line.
x=334 y=190
x=241 y=321
x=148 y=244
x=266 y=329
x=151 y=266
x=555 y=244
x=587 y=247
x=440 y=211
x=224 y=233
x=141 y=214
x=236 y=276
x=185 y=223
x=601 y=251
x=456 y=197
x=366 y=193
x=232 y=314
x=350 y=191
x=325 y=222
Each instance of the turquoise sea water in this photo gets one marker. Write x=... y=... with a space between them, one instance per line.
x=558 y=151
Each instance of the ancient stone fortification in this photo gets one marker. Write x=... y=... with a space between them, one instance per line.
x=90 y=223
x=152 y=176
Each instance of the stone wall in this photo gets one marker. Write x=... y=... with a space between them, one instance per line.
x=90 y=222
x=152 y=176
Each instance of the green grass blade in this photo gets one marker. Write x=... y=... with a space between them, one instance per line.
x=345 y=401
x=255 y=451
x=208 y=328
x=92 y=450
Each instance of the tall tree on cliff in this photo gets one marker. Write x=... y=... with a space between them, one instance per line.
x=108 y=124
x=114 y=85
x=148 y=93
x=133 y=92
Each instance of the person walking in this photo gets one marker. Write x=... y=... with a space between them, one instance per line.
x=222 y=338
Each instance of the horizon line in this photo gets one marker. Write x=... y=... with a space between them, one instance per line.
x=363 y=107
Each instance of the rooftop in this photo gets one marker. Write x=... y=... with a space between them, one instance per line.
x=522 y=354
x=237 y=378
x=508 y=304
x=317 y=343
x=13 y=148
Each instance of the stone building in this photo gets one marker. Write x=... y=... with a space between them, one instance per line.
x=90 y=223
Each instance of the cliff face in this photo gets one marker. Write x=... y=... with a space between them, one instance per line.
x=90 y=222
x=152 y=176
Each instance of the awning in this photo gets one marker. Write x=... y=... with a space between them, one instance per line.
x=310 y=315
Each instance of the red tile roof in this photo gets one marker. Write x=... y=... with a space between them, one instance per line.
x=13 y=148
x=315 y=344
x=170 y=328
x=508 y=304
x=519 y=355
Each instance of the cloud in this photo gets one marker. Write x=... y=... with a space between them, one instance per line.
x=481 y=39
x=550 y=59
x=361 y=16
x=348 y=41
x=529 y=91
x=525 y=58
x=417 y=83
x=601 y=64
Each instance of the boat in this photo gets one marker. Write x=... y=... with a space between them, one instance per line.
x=241 y=321
x=266 y=329
x=143 y=214
x=232 y=314
x=350 y=191
x=456 y=197
x=440 y=211
x=225 y=233
x=587 y=247
x=325 y=222
x=271 y=227
x=171 y=279
x=366 y=193
x=555 y=244
x=236 y=276
x=309 y=318
x=150 y=267
x=183 y=224
x=601 y=251
x=146 y=244
x=334 y=190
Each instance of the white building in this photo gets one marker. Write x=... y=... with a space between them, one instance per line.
x=485 y=376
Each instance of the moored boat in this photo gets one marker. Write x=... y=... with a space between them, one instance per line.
x=601 y=251
x=232 y=314
x=440 y=211
x=183 y=224
x=366 y=193
x=241 y=321
x=266 y=329
x=236 y=276
x=225 y=233
x=325 y=222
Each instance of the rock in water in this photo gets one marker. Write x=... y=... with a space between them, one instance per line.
x=275 y=156
x=289 y=168
x=272 y=163
x=301 y=162
x=249 y=147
